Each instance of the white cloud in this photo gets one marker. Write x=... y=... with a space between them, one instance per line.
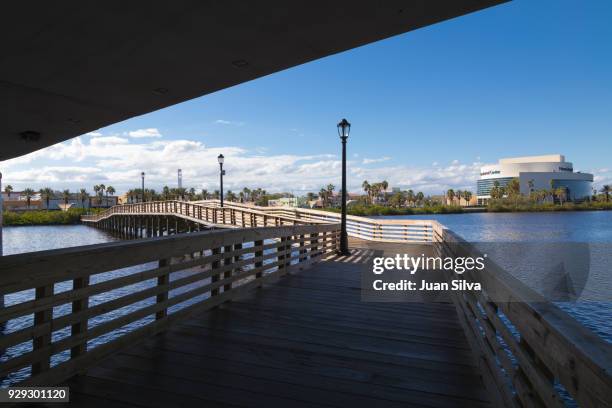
x=93 y=134
x=141 y=133
x=601 y=177
x=228 y=122
x=377 y=160
x=118 y=161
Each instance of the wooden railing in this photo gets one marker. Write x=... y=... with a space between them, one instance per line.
x=199 y=212
x=531 y=352
x=57 y=325
x=243 y=215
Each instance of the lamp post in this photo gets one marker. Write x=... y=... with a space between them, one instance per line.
x=344 y=128
x=142 y=190
x=220 y=159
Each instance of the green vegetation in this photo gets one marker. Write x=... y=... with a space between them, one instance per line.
x=257 y=196
x=43 y=217
x=373 y=210
x=526 y=204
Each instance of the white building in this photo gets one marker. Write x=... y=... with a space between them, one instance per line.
x=535 y=173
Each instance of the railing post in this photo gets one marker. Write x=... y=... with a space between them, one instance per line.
x=215 y=276
x=314 y=243
x=280 y=257
x=258 y=254
x=301 y=257
x=162 y=280
x=44 y=341
x=227 y=260
x=78 y=306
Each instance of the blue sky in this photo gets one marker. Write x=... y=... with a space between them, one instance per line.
x=427 y=108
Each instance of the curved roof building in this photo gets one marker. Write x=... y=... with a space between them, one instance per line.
x=535 y=173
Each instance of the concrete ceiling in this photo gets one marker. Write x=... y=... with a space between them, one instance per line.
x=70 y=67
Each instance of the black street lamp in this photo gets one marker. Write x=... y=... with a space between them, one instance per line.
x=142 y=190
x=220 y=158
x=344 y=128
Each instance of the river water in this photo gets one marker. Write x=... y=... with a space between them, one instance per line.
x=591 y=227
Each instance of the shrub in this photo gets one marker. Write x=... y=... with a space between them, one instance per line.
x=42 y=217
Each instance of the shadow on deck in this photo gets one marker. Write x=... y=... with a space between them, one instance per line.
x=306 y=340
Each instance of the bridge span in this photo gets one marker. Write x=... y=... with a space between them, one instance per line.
x=258 y=310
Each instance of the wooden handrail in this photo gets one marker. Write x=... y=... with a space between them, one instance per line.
x=528 y=349
x=142 y=275
x=242 y=215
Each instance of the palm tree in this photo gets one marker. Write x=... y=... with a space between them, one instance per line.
x=204 y=194
x=83 y=196
x=420 y=196
x=606 y=190
x=459 y=195
x=46 y=193
x=96 y=190
x=531 y=183
x=561 y=193
x=28 y=193
x=330 y=193
x=497 y=191
x=384 y=185
x=166 y=192
x=247 y=193
x=450 y=194
x=101 y=191
x=323 y=196
x=410 y=197
x=367 y=188
x=8 y=190
x=109 y=190
x=467 y=196
x=66 y=196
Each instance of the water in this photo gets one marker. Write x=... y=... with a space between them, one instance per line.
x=39 y=238
x=593 y=227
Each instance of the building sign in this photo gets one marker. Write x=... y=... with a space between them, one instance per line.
x=490 y=172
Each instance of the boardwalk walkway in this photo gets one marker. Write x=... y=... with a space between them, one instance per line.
x=305 y=341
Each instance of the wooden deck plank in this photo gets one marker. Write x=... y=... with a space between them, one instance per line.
x=307 y=340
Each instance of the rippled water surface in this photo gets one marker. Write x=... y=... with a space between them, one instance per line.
x=39 y=238
x=591 y=227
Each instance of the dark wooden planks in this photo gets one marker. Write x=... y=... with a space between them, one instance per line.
x=307 y=340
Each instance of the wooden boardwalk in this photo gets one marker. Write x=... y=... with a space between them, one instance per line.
x=306 y=340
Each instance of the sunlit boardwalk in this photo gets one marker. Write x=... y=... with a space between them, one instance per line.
x=305 y=340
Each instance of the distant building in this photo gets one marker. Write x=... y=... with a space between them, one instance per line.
x=17 y=201
x=535 y=173
x=283 y=202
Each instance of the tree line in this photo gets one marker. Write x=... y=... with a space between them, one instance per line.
x=47 y=194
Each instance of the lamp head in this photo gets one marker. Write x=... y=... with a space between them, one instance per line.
x=220 y=158
x=344 y=128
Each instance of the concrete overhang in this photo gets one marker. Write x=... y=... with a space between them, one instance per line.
x=70 y=67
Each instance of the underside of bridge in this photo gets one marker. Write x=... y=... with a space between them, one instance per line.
x=71 y=67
